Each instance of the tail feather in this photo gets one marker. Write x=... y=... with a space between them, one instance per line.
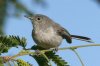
x=82 y=38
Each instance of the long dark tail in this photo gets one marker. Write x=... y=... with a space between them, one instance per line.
x=82 y=38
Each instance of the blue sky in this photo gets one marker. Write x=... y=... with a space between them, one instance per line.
x=80 y=17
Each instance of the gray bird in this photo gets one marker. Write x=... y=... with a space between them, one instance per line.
x=48 y=34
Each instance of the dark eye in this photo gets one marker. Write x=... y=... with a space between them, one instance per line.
x=38 y=18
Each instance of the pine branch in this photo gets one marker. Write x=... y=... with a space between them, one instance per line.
x=17 y=40
x=40 y=59
x=7 y=42
x=56 y=59
x=21 y=62
x=51 y=55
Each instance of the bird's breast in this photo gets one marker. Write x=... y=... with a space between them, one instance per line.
x=47 y=33
x=48 y=38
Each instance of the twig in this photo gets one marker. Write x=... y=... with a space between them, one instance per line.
x=73 y=47
x=27 y=52
x=23 y=52
x=46 y=58
x=78 y=57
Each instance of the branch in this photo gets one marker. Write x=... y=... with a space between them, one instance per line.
x=73 y=47
x=78 y=57
x=28 y=52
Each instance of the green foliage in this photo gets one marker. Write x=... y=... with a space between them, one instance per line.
x=56 y=59
x=21 y=62
x=3 y=12
x=7 y=42
x=41 y=60
x=1 y=61
x=51 y=55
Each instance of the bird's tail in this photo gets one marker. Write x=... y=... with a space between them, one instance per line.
x=82 y=38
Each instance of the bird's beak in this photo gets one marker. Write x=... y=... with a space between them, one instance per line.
x=29 y=17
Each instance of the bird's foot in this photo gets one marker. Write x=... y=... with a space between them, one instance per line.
x=55 y=49
x=37 y=52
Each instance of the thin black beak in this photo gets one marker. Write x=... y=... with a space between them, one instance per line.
x=29 y=17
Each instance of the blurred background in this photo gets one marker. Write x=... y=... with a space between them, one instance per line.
x=80 y=17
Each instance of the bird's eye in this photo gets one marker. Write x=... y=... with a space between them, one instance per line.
x=38 y=18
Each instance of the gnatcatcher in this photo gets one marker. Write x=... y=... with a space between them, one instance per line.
x=48 y=34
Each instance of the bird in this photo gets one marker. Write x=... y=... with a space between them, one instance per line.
x=48 y=34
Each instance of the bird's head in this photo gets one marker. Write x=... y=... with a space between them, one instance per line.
x=38 y=19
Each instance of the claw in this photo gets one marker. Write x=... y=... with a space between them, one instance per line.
x=37 y=52
x=55 y=49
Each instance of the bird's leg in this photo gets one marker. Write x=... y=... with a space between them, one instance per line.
x=55 y=49
x=37 y=52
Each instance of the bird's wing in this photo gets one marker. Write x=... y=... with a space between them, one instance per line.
x=63 y=32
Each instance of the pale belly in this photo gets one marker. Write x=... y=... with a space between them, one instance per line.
x=47 y=39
